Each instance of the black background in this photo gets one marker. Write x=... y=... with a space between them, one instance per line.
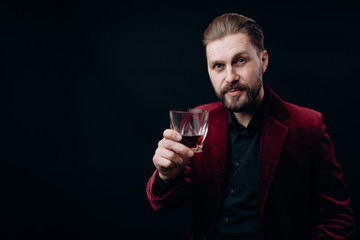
x=86 y=88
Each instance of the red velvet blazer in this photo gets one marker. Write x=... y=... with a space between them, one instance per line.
x=301 y=191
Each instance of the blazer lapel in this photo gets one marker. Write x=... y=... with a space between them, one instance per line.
x=218 y=151
x=273 y=137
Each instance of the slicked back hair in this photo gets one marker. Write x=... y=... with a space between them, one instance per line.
x=232 y=23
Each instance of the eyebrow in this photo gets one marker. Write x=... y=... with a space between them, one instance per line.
x=239 y=54
x=236 y=56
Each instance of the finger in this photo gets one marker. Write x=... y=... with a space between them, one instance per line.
x=170 y=155
x=176 y=147
x=164 y=163
x=172 y=134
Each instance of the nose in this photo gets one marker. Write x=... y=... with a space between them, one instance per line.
x=231 y=75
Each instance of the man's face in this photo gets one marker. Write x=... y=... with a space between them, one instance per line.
x=235 y=68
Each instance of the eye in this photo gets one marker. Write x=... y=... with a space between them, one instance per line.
x=217 y=66
x=240 y=60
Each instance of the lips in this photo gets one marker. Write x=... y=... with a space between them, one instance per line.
x=234 y=92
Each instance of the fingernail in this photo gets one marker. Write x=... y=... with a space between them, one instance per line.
x=178 y=137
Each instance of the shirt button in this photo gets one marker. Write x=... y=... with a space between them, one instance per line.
x=226 y=220
x=231 y=191
x=237 y=164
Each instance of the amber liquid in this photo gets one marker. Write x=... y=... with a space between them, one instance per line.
x=192 y=141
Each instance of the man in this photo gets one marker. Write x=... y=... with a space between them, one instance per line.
x=267 y=170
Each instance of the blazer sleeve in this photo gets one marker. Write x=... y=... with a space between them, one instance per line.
x=170 y=199
x=333 y=218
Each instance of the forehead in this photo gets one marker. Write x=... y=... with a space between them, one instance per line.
x=229 y=45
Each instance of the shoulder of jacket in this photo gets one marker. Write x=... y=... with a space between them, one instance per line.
x=304 y=115
x=211 y=107
x=293 y=115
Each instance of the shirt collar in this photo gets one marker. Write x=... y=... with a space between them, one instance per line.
x=253 y=125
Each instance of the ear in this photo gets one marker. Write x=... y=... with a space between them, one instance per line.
x=264 y=60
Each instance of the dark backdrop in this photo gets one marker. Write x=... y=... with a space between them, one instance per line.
x=86 y=88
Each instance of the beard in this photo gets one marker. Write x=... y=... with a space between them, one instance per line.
x=240 y=102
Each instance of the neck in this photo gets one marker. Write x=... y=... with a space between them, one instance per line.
x=245 y=117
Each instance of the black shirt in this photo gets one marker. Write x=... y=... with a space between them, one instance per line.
x=239 y=215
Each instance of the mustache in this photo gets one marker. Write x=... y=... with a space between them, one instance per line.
x=234 y=86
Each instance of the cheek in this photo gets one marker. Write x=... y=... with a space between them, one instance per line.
x=216 y=82
x=251 y=73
